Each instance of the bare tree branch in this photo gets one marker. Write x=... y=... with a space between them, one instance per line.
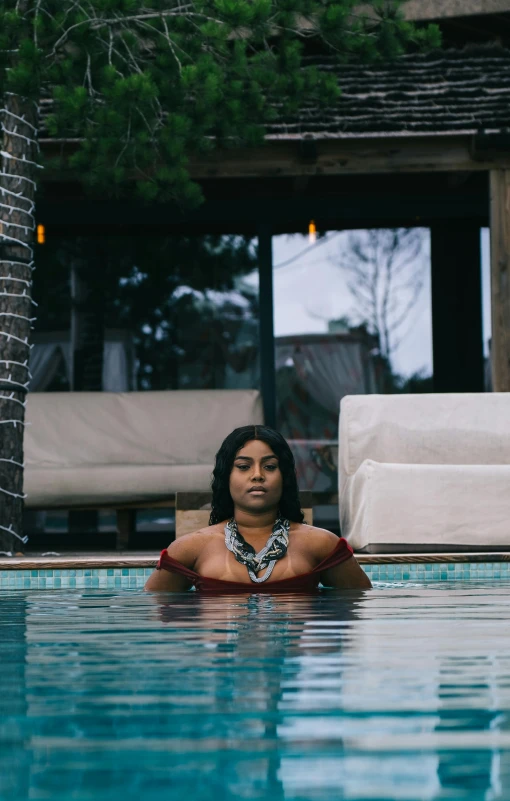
x=385 y=279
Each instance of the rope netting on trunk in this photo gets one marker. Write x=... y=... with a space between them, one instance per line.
x=18 y=120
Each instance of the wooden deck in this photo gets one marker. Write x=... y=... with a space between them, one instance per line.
x=148 y=559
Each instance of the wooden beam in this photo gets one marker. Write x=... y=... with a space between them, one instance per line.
x=356 y=156
x=290 y=157
x=104 y=506
x=500 y=279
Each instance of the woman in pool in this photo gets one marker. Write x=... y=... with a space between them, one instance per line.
x=256 y=540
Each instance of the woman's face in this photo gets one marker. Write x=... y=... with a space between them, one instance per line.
x=255 y=479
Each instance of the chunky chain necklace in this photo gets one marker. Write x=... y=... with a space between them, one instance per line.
x=274 y=549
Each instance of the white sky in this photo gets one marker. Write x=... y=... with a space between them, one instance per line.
x=311 y=290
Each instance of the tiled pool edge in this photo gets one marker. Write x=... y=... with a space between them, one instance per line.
x=127 y=571
x=75 y=578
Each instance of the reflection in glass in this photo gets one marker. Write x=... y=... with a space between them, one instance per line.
x=352 y=316
x=172 y=313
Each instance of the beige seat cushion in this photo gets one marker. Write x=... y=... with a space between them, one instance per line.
x=48 y=487
x=406 y=507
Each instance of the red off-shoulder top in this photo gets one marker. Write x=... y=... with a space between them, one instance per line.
x=305 y=582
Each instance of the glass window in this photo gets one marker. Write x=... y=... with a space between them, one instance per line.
x=140 y=312
x=352 y=314
x=150 y=312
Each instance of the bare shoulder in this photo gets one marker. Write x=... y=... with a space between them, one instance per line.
x=320 y=541
x=186 y=549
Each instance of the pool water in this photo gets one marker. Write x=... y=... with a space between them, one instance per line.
x=402 y=692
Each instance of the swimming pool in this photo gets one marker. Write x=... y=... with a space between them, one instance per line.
x=399 y=693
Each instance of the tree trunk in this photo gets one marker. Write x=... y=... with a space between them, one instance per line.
x=17 y=190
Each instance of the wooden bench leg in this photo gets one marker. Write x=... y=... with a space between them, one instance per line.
x=126 y=528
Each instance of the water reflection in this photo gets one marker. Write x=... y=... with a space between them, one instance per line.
x=13 y=703
x=389 y=694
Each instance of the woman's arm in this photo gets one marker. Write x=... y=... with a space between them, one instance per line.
x=183 y=550
x=346 y=576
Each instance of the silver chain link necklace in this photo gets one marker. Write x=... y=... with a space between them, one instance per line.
x=274 y=549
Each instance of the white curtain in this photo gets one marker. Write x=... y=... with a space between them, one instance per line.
x=329 y=369
x=52 y=352
x=45 y=361
x=118 y=365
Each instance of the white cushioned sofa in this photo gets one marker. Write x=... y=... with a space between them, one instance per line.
x=422 y=473
x=105 y=449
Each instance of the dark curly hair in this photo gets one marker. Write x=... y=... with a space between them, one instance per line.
x=222 y=503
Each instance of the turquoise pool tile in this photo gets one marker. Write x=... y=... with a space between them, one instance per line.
x=135 y=578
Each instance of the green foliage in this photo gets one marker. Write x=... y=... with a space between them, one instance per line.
x=145 y=85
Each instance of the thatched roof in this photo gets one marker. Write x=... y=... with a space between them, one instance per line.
x=443 y=93
x=444 y=9
x=446 y=92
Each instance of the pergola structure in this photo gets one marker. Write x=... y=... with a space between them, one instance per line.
x=424 y=140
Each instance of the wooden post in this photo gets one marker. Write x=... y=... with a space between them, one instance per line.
x=267 y=356
x=126 y=528
x=500 y=279
x=457 y=337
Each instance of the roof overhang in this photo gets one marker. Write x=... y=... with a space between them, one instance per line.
x=429 y=10
x=293 y=156
x=358 y=156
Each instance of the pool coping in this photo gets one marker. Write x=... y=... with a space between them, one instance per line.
x=149 y=560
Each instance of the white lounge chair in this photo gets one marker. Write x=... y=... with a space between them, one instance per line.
x=425 y=472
